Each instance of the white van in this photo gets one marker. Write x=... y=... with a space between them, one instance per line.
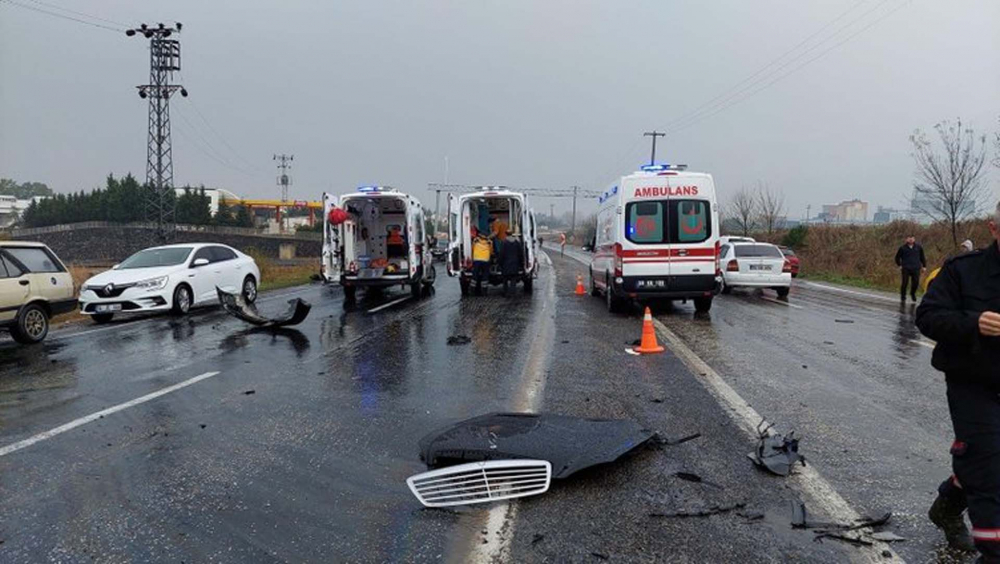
x=474 y=210
x=381 y=243
x=658 y=237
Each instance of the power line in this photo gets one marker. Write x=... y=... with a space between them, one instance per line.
x=754 y=86
x=205 y=147
x=98 y=18
x=62 y=16
x=765 y=86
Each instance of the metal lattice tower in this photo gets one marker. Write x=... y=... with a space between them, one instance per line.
x=164 y=59
x=283 y=179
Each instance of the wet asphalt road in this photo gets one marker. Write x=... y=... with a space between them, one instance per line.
x=311 y=465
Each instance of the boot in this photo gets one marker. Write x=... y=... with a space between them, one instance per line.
x=946 y=513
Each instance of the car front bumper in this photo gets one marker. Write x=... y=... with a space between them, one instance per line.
x=758 y=280
x=130 y=301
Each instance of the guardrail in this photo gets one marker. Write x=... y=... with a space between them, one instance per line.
x=217 y=229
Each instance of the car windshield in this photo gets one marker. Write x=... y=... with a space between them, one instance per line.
x=749 y=251
x=151 y=258
x=788 y=252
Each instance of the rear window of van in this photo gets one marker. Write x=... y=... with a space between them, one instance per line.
x=668 y=221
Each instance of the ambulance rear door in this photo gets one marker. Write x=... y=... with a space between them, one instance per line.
x=528 y=235
x=331 y=260
x=645 y=253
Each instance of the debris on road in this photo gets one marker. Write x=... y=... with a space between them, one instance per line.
x=662 y=441
x=775 y=453
x=481 y=482
x=692 y=477
x=886 y=536
x=236 y=305
x=702 y=512
x=855 y=539
x=459 y=340
x=844 y=320
x=249 y=392
x=569 y=443
x=862 y=527
x=537 y=538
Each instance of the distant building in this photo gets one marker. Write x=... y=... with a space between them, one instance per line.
x=848 y=211
x=11 y=208
x=213 y=196
x=923 y=206
x=888 y=215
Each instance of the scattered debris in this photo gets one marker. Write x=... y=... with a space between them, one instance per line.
x=829 y=343
x=537 y=538
x=775 y=453
x=862 y=534
x=751 y=516
x=692 y=477
x=570 y=444
x=236 y=305
x=599 y=555
x=703 y=512
x=886 y=536
x=671 y=442
x=657 y=400
x=481 y=482
x=249 y=392
x=203 y=425
x=632 y=352
x=844 y=320
x=459 y=340
x=565 y=342
x=855 y=539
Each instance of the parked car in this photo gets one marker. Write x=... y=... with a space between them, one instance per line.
x=754 y=265
x=170 y=278
x=440 y=249
x=793 y=260
x=34 y=287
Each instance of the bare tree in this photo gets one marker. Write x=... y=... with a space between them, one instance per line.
x=949 y=185
x=770 y=208
x=996 y=144
x=741 y=211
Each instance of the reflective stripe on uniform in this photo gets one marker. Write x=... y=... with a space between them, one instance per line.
x=986 y=534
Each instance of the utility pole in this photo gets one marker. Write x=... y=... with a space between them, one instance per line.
x=283 y=179
x=808 y=211
x=552 y=212
x=572 y=223
x=654 y=134
x=437 y=210
x=160 y=202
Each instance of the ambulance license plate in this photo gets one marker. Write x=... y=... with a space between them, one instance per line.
x=651 y=284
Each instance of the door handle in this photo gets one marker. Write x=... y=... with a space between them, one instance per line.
x=23 y=282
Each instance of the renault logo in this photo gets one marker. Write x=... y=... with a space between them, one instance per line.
x=109 y=288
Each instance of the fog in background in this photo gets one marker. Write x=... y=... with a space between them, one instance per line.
x=524 y=93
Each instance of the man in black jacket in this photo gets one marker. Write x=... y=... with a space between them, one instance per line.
x=910 y=260
x=960 y=312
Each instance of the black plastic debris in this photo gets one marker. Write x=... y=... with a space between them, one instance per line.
x=459 y=340
x=703 y=511
x=570 y=444
x=775 y=453
x=298 y=310
x=663 y=441
x=842 y=531
x=695 y=478
x=844 y=320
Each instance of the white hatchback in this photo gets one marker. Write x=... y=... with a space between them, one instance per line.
x=754 y=265
x=172 y=277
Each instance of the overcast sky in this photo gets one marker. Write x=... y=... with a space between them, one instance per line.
x=523 y=93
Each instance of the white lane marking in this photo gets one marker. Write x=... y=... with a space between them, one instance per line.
x=500 y=518
x=95 y=416
x=392 y=303
x=853 y=292
x=808 y=479
x=779 y=302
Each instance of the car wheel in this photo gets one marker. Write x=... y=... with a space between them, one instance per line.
x=102 y=317
x=703 y=305
x=415 y=290
x=182 y=300
x=614 y=304
x=464 y=284
x=350 y=294
x=249 y=289
x=32 y=325
x=782 y=292
x=726 y=289
x=593 y=287
x=529 y=283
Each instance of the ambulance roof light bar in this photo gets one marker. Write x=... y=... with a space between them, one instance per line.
x=369 y=189
x=662 y=167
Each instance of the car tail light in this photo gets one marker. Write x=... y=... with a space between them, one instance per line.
x=718 y=265
x=618 y=260
x=733 y=266
x=787 y=267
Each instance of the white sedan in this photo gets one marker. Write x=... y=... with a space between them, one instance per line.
x=754 y=265
x=172 y=277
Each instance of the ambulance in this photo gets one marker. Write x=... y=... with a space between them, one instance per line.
x=657 y=238
x=476 y=212
x=374 y=238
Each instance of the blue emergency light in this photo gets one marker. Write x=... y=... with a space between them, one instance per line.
x=369 y=189
x=654 y=167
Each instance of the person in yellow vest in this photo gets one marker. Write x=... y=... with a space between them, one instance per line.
x=482 y=249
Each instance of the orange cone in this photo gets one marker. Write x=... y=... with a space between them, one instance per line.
x=580 y=290
x=648 y=344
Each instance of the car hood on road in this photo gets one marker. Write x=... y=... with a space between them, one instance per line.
x=131 y=275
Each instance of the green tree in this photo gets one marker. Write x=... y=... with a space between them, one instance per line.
x=243 y=216
x=23 y=191
x=224 y=215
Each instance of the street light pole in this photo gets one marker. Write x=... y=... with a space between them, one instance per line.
x=654 y=134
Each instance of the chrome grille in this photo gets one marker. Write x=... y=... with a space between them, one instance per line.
x=479 y=482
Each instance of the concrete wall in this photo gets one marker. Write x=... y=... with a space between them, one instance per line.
x=104 y=243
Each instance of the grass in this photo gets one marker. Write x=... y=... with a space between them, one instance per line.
x=853 y=281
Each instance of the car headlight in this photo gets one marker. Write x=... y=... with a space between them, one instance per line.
x=153 y=284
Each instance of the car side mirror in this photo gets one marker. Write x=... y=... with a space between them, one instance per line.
x=199 y=262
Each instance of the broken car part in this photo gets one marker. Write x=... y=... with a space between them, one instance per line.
x=236 y=305
x=480 y=482
x=570 y=444
x=775 y=453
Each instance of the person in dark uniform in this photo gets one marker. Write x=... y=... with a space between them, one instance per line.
x=511 y=263
x=911 y=261
x=961 y=311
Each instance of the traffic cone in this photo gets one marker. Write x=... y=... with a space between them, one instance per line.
x=648 y=344
x=580 y=290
